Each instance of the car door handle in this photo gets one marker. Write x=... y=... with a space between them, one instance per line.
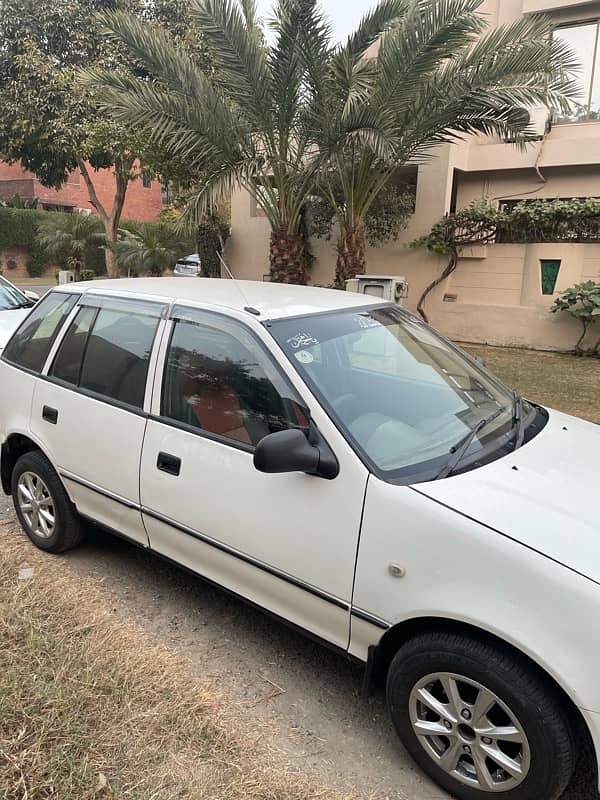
x=50 y=414
x=168 y=463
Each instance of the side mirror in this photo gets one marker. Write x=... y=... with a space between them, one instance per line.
x=33 y=296
x=293 y=451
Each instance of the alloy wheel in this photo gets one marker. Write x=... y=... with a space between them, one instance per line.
x=469 y=732
x=36 y=505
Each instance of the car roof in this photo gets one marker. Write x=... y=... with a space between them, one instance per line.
x=272 y=300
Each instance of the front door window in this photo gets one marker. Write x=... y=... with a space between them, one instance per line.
x=220 y=381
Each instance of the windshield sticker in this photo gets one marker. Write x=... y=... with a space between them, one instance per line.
x=301 y=339
x=367 y=321
x=304 y=357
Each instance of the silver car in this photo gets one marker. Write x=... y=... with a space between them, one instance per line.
x=188 y=267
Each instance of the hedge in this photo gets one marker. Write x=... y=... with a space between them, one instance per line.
x=18 y=228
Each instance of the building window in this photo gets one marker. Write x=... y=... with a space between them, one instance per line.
x=146 y=180
x=583 y=42
x=550 y=269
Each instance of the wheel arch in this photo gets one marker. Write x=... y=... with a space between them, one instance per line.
x=15 y=445
x=381 y=656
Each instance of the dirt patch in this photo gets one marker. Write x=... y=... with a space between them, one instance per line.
x=91 y=708
x=304 y=699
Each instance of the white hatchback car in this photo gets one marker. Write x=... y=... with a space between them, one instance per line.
x=335 y=461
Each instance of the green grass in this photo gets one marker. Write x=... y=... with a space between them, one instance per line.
x=557 y=380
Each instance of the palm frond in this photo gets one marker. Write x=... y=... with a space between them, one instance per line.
x=413 y=51
x=193 y=130
x=374 y=23
x=238 y=57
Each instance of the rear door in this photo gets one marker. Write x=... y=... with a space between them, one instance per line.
x=287 y=542
x=88 y=410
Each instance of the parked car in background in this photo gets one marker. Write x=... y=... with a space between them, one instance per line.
x=188 y=267
x=15 y=304
x=334 y=460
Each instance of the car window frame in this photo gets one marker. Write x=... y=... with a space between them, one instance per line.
x=195 y=314
x=110 y=302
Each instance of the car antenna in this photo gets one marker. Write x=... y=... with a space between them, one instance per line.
x=250 y=309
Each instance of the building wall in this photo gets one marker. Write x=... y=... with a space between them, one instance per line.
x=141 y=203
x=495 y=294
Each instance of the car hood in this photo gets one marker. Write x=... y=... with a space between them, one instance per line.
x=10 y=320
x=544 y=495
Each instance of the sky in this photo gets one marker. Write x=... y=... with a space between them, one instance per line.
x=344 y=14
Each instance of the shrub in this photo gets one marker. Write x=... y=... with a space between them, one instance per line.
x=582 y=301
x=87 y=275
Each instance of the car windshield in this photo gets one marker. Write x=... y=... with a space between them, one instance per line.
x=11 y=297
x=401 y=393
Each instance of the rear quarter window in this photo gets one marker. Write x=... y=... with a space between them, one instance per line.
x=31 y=343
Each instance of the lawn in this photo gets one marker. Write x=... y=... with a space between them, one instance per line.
x=558 y=380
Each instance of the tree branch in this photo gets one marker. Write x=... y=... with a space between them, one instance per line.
x=94 y=199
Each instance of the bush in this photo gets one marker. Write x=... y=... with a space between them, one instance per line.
x=582 y=302
x=87 y=275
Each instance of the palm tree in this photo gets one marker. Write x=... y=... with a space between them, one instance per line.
x=245 y=124
x=150 y=248
x=438 y=76
x=278 y=119
x=70 y=238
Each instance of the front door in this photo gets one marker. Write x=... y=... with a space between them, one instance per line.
x=287 y=542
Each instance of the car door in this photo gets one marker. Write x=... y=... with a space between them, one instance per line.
x=88 y=410
x=287 y=542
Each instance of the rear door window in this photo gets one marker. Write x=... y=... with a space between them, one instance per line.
x=30 y=345
x=106 y=350
x=118 y=354
x=68 y=361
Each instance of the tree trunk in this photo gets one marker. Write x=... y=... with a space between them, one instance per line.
x=287 y=258
x=579 y=350
x=123 y=174
x=449 y=269
x=110 y=258
x=351 y=260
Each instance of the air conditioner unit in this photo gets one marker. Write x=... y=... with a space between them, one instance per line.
x=387 y=287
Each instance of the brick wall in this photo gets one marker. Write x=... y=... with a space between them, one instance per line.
x=141 y=203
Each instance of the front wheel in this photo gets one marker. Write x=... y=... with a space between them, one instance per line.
x=478 y=720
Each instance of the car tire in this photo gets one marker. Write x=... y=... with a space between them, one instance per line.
x=50 y=520
x=437 y=686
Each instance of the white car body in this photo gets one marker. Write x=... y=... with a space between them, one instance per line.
x=511 y=548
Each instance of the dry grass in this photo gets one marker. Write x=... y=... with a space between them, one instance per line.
x=561 y=381
x=91 y=709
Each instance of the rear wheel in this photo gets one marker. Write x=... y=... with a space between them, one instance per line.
x=478 y=720
x=44 y=510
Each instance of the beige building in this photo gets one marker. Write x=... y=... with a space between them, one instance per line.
x=495 y=295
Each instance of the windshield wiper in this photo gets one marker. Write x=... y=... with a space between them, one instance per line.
x=518 y=419
x=460 y=448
